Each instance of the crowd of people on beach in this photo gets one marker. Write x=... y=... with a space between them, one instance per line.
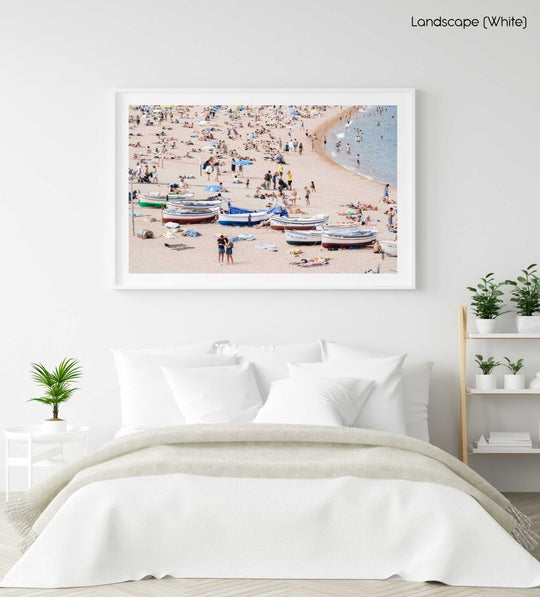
x=246 y=136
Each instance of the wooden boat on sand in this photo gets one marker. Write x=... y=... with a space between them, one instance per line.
x=298 y=222
x=389 y=247
x=348 y=239
x=190 y=216
x=159 y=200
x=239 y=216
x=303 y=237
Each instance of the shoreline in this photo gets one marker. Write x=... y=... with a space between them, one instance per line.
x=323 y=129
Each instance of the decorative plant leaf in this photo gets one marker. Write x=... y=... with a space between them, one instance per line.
x=486 y=300
x=513 y=367
x=526 y=291
x=486 y=366
x=58 y=384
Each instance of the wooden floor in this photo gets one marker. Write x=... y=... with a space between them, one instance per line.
x=528 y=502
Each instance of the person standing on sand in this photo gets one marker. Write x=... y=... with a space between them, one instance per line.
x=386 y=194
x=300 y=148
x=220 y=248
x=294 y=196
x=306 y=196
x=289 y=179
x=228 y=251
x=390 y=213
x=312 y=187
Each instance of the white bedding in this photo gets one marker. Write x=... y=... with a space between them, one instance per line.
x=197 y=526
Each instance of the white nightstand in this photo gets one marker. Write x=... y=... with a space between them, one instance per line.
x=33 y=435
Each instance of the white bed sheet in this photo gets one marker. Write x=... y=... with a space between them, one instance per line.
x=195 y=526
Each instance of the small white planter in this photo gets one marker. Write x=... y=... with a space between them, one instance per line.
x=486 y=382
x=528 y=324
x=486 y=326
x=514 y=382
x=50 y=426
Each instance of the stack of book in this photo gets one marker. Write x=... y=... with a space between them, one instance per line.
x=504 y=441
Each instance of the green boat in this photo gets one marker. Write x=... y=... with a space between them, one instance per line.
x=159 y=200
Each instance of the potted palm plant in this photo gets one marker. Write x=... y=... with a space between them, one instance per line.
x=525 y=295
x=486 y=380
x=58 y=388
x=486 y=303
x=514 y=380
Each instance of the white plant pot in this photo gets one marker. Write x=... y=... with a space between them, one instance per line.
x=528 y=324
x=486 y=326
x=486 y=382
x=50 y=426
x=514 y=382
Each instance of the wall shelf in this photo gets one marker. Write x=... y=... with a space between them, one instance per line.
x=502 y=392
x=491 y=452
x=501 y=336
x=464 y=336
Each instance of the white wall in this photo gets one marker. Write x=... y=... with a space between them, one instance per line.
x=477 y=158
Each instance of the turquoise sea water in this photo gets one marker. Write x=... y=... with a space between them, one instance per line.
x=377 y=146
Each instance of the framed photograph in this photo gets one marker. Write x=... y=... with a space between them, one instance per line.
x=264 y=188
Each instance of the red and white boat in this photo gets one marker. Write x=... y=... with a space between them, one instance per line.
x=343 y=239
x=190 y=216
x=298 y=222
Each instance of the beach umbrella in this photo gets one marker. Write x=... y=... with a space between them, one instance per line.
x=213 y=188
x=243 y=163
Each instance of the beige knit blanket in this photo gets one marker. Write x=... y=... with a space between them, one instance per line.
x=272 y=451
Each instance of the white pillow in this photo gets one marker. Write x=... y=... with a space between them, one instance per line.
x=270 y=360
x=416 y=382
x=315 y=401
x=224 y=395
x=384 y=407
x=146 y=399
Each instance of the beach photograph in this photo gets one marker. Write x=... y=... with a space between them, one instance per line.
x=264 y=189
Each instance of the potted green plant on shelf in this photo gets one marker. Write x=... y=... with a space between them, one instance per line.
x=58 y=388
x=525 y=294
x=486 y=303
x=486 y=380
x=514 y=380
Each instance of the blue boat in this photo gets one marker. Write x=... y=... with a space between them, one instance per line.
x=238 y=216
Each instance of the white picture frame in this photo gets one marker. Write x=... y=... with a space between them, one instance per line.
x=404 y=99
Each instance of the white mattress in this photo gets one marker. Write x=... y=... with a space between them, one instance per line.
x=195 y=526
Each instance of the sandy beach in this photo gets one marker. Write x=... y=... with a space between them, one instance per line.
x=176 y=145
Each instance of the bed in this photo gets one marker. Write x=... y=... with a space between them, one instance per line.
x=297 y=461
